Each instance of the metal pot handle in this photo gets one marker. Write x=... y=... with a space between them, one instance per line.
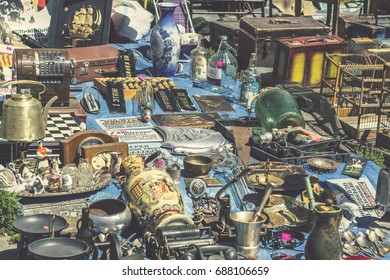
x=25 y=82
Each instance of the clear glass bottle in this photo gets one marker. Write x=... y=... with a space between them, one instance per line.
x=250 y=80
x=222 y=67
x=145 y=100
x=252 y=70
x=198 y=62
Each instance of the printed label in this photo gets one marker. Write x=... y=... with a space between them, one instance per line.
x=199 y=68
x=214 y=75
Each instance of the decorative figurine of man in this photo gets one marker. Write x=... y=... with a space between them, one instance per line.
x=42 y=152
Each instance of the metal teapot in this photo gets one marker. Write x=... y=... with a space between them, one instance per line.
x=23 y=118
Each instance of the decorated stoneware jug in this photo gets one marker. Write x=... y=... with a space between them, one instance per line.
x=155 y=199
x=324 y=241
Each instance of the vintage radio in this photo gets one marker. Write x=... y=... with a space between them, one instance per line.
x=354 y=26
x=302 y=59
x=259 y=35
x=51 y=67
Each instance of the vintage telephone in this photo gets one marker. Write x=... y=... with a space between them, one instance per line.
x=211 y=252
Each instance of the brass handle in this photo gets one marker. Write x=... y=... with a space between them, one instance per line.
x=25 y=82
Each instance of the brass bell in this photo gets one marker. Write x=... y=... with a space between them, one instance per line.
x=23 y=118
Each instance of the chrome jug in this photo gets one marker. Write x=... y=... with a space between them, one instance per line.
x=23 y=118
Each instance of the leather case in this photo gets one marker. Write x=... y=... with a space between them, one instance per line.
x=93 y=62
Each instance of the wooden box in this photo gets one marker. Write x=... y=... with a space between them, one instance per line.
x=259 y=35
x=225 y=28
x=302 y=59
x=354 y=26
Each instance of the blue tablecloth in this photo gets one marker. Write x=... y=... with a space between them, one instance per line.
x=143 y=66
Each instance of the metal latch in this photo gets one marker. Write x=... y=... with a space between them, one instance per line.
x=84 y=68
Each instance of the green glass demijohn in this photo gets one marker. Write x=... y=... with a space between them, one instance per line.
x=277 y=108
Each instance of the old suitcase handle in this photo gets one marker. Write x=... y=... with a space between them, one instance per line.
x=281 y=21
x=314 y=40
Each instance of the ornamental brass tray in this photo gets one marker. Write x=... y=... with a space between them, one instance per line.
x=291 y=174
x=199 y=120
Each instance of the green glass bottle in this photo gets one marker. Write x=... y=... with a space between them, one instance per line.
x=277 y=108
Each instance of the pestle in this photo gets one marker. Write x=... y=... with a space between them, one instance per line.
x=268 y=190
x=310 y=194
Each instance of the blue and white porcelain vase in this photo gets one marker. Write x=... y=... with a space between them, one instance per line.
x=165 y=42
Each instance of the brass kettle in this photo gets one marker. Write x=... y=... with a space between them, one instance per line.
x=22 y=118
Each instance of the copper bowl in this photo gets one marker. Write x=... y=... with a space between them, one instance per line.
x=197 y=165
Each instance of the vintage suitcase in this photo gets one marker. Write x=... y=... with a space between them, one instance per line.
x=353 y=26
x=98 y=62
x=302 y=59
x=226 y=28
x=259 y=35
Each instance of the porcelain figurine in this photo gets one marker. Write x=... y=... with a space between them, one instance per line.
x=55 y=166
x=43 y=160
x=165 y=42
x=66 y=183
x=38 y=186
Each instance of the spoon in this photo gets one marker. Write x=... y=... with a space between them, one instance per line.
x=352 y=250
x=382 y=236
x=374 y=238
x=365 y=247
x=349 y=236
x=375 y=247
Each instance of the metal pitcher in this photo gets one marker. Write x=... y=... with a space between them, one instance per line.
x=23 y=118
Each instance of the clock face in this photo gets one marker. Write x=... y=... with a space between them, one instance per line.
x=87 y=142
x=102 y=160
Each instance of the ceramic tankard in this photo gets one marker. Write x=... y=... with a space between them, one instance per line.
x=155 y=199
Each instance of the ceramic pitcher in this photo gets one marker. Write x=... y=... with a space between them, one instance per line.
x=324 y=241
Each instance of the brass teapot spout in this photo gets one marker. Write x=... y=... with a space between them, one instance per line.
x=45 y=112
